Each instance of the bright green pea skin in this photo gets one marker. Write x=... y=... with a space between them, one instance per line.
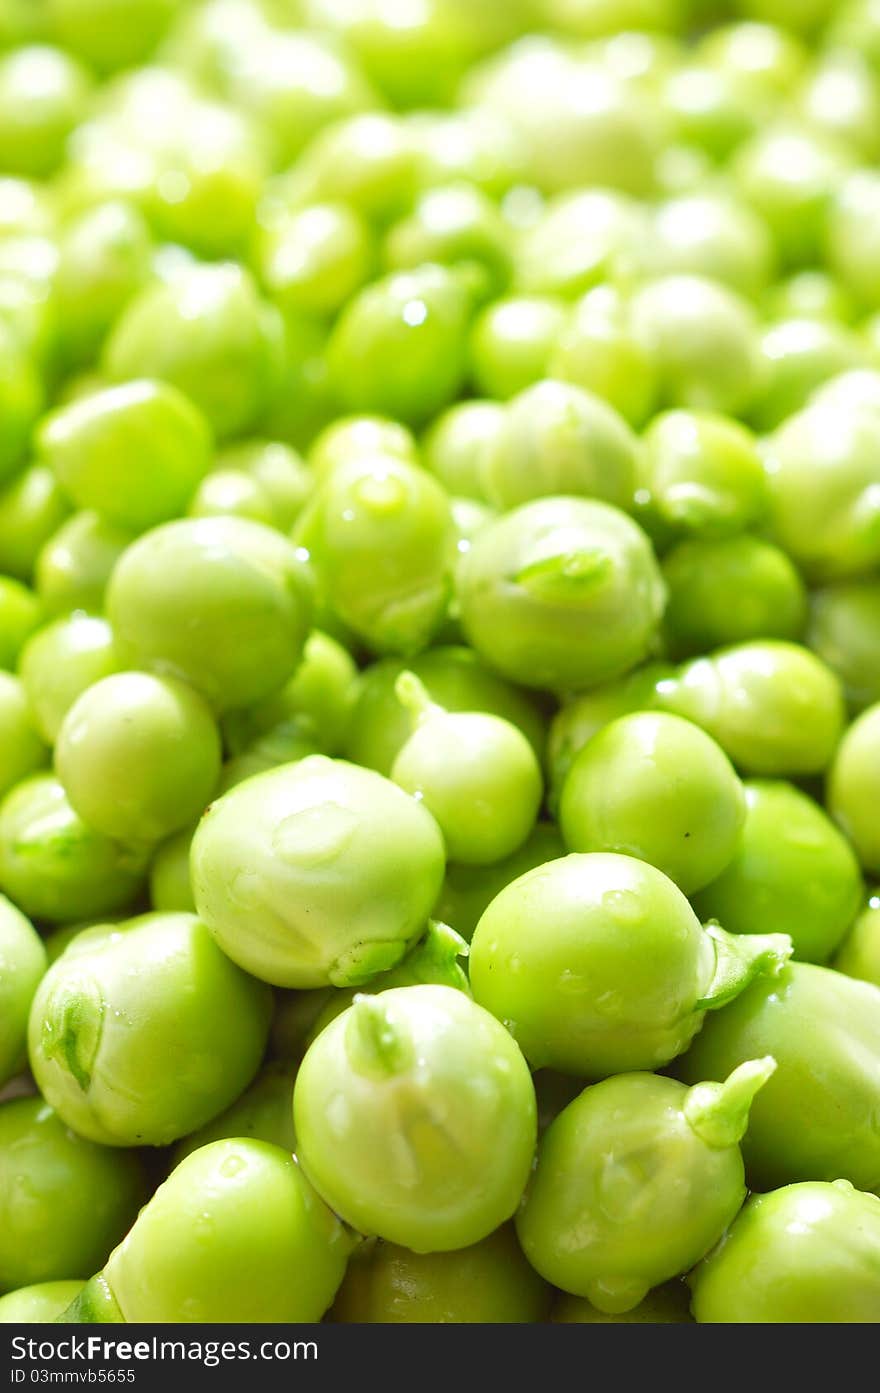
x=766 y=55
x=710 y=108
x=656 y=787
x=20 y=614
x=512 y=343
x=852 y=785
x=231 y=493
x=799 y=355
x=599 y=965
x=579 y=719
x=235 y=1233
x=49 y=1236
x=558 y=439
x=844 y=631
x=104 y=259
x=369 y=161
x=312 y=260
x=456 y=446
x=841 y=97
x=458 y=226
x=170 y=889
x=283 y=744
x=134 y=453
x=792 y=872
x=699 y=474
x=139 y=756
x=811 y=294
x=39 y=1304
x=815 y=1118
x=774 y=708
x=476 y=773
x=703 y=340
x=21 y=400
x=728 y=590
x=109 y=34
x=208 y=333
x=22 y=964
x=43 y=94
x=389 y=507
x=278 y=471
x=352 y=437
x=74 y=566
x=859 y=954
x=852 y=239
x=112 y=1006
x=59 y=662
x=32 y=509
x=713 y=235
x=221 y=603
x=561 y=593
x=598 y=350
x=789 y=175
x=635 y=1181
x=400 y=346
x=319 y=698
x=22 y=749
x=55 y=867
x=804 y=1254
x=456 y=679
x=264 y=1111
x=666 y=1305
x=468 y=890
x=580 y=239
x=487 y=1283
x=425 y=1070
x=316 y=873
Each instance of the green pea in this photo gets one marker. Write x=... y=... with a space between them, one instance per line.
x=104 y=259
x=712 y=108
x=264 y=1111
x=773 y=707
x=805 y=1254
x=598 y=350
x=20 y=614
x=22 y=749
x=369 y=161
x=589 y=19
x=109 y=34
x=24 y=208
x=236 y=1233
x=789 y=175
x=699 y=474
x=859 y=954
x=579 y=719
x=513 y=342
x=856 y=390
x=558 y=439
x=282 y=744
x=711 y=235
x=74 y=566
x=170 y=889
x=319 y=698
x=465 y=145
x=43 y=94
x=487 y=1283
x=599 y=964
x=811 y=294
x=580 y=239
x=728 y=590
x=457 y=445
x=293 y=1023
x=424 y=1073
x=476 y=773
x=852 y=240
x=813 y=1121
x=39 y=1304
x=764 y=56
x=800 y=355
x=792 y=872
x=49 y=1236
x=316 y=873
x=657 y=787
x=843 y=631
x=23 y=960
x=855 y=25
x=456 y=679
x=59 y=662
x=635 y=1180
x=703 y=341
x=456 y=226
x=312 y=260
x=208 y=333
x=53 y=865
x=666 y=1305
x=21 y=400
x=222 y=603
x=468 y=890
x=139 y=756
x=32 y=509
x=852 y=781
x=561 y=593
x=382 y=503
x=110 y=1007
x=352 y=437
x=134 y=453
x=399 y=347
x=841 y=98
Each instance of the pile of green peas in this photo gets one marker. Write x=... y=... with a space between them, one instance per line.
x=440 y=661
